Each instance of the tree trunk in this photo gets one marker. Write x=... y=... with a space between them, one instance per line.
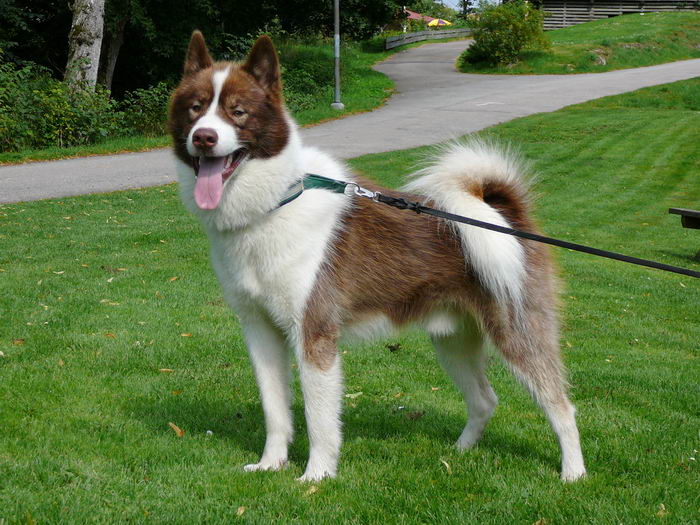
x=111 y=44
x=84 y=44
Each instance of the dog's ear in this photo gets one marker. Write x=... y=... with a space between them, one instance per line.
x=198 y=57
x=264 y=65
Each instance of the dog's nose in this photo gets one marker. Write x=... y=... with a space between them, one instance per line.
x=205 y=138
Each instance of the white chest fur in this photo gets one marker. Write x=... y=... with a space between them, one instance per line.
x=273 y=261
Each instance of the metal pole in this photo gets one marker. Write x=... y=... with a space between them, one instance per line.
x=337 y=104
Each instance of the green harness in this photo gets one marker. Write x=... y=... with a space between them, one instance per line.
x=312 y=182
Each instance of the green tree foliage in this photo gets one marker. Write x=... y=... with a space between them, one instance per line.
x=155 y=32
x=35 y=31
x=432 y=8
x=151 y=36
x=502 y=31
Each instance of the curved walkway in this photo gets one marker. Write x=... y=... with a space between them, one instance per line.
x=433 y=103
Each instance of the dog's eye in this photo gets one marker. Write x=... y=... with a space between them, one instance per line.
x=237 y=112
x=196 y=107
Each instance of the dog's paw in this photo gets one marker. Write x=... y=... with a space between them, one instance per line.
x=464 y=444
x=274 y=465
x=573 y=475
x=316 y=474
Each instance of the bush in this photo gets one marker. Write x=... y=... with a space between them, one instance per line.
x=307 y=71
x=502 y=31
x=38 y=111
x=145 y=111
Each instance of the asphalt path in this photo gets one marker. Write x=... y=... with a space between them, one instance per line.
x=432 y=103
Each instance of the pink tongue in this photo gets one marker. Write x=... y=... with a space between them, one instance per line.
x=210 y=182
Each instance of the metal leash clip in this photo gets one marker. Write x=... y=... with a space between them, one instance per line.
x=356 y=189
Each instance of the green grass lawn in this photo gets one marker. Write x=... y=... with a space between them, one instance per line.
x=621 y=42
x=112 y=326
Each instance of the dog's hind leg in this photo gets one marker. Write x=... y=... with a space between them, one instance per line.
x=270 y=357
x=463 y=356
x=529 y=342
x=322 y=386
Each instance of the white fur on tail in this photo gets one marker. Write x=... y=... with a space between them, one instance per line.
x=497 y=258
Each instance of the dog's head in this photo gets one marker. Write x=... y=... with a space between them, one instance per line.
x=224 y=113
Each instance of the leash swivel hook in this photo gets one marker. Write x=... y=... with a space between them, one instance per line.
x=356 y=189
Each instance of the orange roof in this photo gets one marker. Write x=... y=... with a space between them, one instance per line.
x=412 y=15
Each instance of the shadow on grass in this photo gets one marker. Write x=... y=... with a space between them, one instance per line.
x=242 y=424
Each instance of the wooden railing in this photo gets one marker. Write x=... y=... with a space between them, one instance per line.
x=565 y=13
x=431 y=34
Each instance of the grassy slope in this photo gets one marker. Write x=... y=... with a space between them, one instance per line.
x=100 y=292
x=624 y=42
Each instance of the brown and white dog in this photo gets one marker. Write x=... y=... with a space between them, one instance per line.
x=328 y=263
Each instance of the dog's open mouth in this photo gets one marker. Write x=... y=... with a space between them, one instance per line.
x=211 y=174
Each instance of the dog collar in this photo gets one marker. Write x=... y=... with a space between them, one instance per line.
x=312 y=181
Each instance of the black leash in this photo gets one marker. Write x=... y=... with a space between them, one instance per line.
x=403 y=204
x=312 y=181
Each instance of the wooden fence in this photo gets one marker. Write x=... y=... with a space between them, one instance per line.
x=434 y=34
x=565 y=13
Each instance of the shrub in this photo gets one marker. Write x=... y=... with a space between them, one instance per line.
x=502 y=31
x=38 y=111
x=145 y=111
x=307 y=71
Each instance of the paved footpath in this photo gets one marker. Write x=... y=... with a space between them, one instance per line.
x=433 y=103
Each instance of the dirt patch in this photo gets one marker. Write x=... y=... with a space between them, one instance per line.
x=601 y=56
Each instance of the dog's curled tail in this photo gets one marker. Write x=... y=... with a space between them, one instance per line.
x=478 y=179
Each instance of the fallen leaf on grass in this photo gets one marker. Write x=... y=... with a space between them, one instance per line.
x=541 y=521
x=447 y=466
x=434 y=388
x=61 y=362
x=353 y=396
x=240 y=511
x=662 y=511
x=110 y=334
x=313 y=489
x=109 y=269
x=415 y=416
x=178 y=431
x=176 y=392
x=18 y=342
x=185 y=335
x=108 y=302
x=166 y=370
x=173 y=279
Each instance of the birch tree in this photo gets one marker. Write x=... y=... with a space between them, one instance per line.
x=84 y=43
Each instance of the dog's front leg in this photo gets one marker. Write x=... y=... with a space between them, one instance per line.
x=270 y=357
x=322 y=385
